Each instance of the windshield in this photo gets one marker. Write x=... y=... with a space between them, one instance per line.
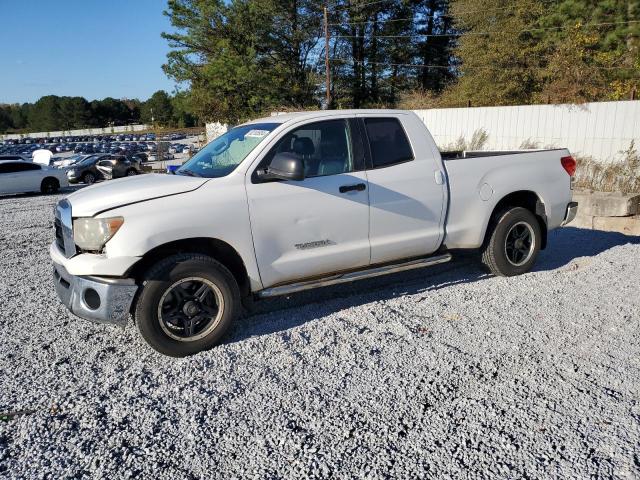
x=220 y=157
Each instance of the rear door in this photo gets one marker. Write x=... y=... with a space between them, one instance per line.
x=406 y=189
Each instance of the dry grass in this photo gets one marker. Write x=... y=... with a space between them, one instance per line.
x=622 y=176
x=477 y=142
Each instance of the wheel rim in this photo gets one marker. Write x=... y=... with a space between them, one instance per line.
x=131 y=173
x=519 y=244
x=48 y=187
x=190 y=309
x=89 y=178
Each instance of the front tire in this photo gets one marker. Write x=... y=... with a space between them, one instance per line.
x=513 y=243
x=88 y=178
x=187 y=303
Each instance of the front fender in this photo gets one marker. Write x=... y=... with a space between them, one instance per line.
x=218 y=211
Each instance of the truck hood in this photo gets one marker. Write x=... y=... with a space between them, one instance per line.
x=115 y=193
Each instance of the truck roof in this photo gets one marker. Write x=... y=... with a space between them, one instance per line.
x=286 y=117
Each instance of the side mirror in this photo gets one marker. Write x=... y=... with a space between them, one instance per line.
x=285 y=166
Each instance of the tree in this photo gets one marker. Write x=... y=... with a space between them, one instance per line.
x=110 y=111
x=244 y=57
x=531 y=51
x=157 y=109
x=593 y=50
x=182 y=110
x=6 y=121
x=75 y=112
x=44 y=116
x=499 y=52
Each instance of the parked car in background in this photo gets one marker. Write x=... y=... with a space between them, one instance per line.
x=85 y=170
x=140 y=157
x=119 y=166
x=18 y=176
x=66 y=162
x=155 y=157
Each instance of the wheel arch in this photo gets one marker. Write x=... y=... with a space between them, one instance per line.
x=525 y=199
x=215 y=248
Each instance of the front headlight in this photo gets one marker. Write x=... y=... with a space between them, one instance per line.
x=92 y=233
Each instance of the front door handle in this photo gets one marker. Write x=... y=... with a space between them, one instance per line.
x=358 y=187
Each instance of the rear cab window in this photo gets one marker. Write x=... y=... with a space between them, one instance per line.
x=388 y=142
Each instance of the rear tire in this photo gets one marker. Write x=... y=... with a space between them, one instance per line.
x=187 y=303
x=131 y=173
x=513 y=243
x=88 y=178
x=49 y=186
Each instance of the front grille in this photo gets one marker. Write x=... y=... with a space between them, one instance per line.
x=59 y=238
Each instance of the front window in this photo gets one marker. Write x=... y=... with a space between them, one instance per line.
x=220 y=157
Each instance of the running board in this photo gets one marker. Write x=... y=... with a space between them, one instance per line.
x=352 y=276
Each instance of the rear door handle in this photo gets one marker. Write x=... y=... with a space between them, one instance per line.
x=358 y=187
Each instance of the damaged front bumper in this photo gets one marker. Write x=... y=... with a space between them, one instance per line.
x=99 y=299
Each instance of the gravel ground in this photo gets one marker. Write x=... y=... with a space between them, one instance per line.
x=440 y=372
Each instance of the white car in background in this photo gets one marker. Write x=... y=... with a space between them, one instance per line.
x=18 y=176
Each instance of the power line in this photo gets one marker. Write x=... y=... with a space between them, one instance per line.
x=373 y=21
x=420 y=35
x=451 y=67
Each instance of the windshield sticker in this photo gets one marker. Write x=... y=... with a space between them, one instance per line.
x=257 y=133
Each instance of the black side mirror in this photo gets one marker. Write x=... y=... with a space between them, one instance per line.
x=285 y=166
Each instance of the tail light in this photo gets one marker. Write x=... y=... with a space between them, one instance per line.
x=569 y=164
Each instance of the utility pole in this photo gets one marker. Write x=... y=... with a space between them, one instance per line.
x=326 y=59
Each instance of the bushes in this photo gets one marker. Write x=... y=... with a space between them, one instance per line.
x=622 y=176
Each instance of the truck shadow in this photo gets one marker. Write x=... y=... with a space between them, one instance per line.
x=279 y=314
x=568 y=243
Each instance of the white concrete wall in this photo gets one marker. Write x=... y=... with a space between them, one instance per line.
x=72 y=133
x=599 y=130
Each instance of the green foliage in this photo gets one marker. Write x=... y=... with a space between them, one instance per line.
x=158 y=109
x=6 y=122
x=538 y=51
x=243 y=57
x=53 y=113
x=182 y=110
x=500 y=53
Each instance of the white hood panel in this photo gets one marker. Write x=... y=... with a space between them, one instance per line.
x=115 y=193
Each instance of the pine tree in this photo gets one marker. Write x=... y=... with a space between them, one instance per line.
x=499 y=52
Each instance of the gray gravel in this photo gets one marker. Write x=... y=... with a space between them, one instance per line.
x=440 y=372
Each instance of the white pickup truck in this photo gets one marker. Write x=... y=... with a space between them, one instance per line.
x=294 y=202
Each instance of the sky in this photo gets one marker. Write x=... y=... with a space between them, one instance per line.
x=88 y=48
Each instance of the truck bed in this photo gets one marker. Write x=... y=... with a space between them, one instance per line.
x=479 y=179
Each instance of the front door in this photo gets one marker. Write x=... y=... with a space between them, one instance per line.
x=319 y=225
